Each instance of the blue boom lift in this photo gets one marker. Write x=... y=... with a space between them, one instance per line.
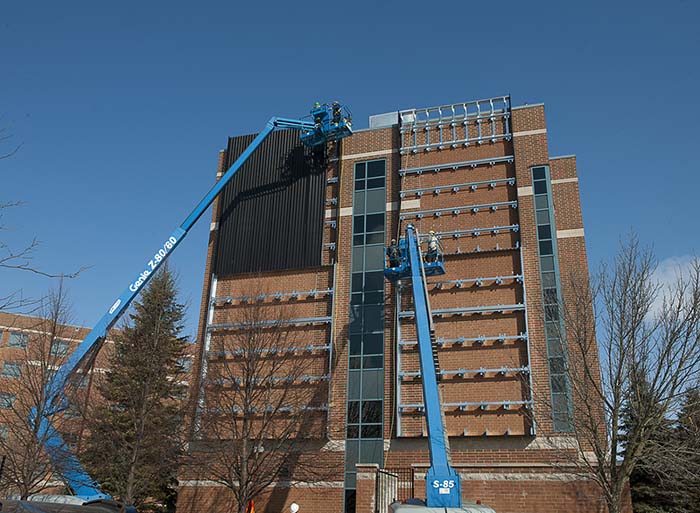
x=326 y=123
x=443 y=487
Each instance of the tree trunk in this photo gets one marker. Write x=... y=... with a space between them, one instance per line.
x=243 y=484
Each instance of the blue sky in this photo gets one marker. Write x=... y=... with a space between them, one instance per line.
x=122 y=107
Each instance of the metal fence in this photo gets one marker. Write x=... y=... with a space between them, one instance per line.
x=393 y=484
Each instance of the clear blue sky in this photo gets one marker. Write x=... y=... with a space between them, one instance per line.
x=123 y=106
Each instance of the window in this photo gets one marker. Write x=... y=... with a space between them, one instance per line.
x=370 y=175
x=18 y=339
x=60 y=348
x=366 y=330
x=4 y=430
x=562 y=405
x=11 y=370
x=7 y=401
x=185 y=363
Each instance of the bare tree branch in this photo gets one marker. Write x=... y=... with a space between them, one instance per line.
x=621 y=356
x=265 y=407
x=39 y=348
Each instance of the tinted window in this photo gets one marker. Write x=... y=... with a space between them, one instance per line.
x=6 y=401
x=546 y=247
x=375 y=168
x=11 y=370
x=375 y=183
x=372 y=412
x=371 y=431
x=376 y=201
x=544 y=232
x=353 y=412
x=540 y=187
x=541 y=202
x=375 y=222
x=18 y=339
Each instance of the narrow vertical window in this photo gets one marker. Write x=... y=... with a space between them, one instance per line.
x=562 y=405
x=364 y=442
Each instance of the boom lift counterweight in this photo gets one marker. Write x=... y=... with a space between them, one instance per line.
x=335 y=123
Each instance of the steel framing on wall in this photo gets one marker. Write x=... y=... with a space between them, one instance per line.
x=271 y=214
x=458 y=124
x=441 y=129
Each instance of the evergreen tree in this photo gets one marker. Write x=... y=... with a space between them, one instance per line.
x=689 y=437
x=650 y=492
x=135 y=440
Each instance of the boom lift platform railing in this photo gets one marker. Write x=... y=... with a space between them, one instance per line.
x=327 y=123
x=443 y=487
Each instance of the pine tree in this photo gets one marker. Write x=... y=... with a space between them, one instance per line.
x=650 y=494
x=689 y=435
x=135 y=442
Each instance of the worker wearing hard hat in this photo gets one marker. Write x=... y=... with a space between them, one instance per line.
x=394 y=254
x=433 y=245
x=336 y=112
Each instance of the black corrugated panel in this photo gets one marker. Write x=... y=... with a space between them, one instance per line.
x=272 y=210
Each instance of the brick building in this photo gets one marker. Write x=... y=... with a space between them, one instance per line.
x=32 y=349
x=508 y=217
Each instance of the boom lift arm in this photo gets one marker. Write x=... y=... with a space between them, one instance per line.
x=325 y=128
x=442 y=482
x=443 y=488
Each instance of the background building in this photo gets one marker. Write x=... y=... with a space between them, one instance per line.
x=32 y=349
x=297 y=233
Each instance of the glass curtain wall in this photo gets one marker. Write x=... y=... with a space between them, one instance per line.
x=364 y=442
x=562 y=406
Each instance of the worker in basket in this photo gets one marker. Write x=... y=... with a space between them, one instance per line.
x=393 y=253
x=433 y=247
x=318 y=116
x=337 y=112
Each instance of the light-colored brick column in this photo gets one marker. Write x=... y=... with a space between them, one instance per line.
x=366 y=500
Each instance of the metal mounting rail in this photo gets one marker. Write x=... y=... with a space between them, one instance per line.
x=271 y=409
x=482 y=372
x=455 y=112
x=291 y=409
x=479 y=249
x=273 y=351
x=451 y=124
x=453 y=166
x=307 y=378
x=439 y=312
x=456 y=187
x=463 y=406
x=275 y=295
x=476 y=232
x=475 y=340
x=472 y=209
x=479 y=282
x=294 y=322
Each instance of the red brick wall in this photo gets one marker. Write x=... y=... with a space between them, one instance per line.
x=500 y=462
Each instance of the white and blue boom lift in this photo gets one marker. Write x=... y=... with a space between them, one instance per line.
x=326 y=123
x=442 y=482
